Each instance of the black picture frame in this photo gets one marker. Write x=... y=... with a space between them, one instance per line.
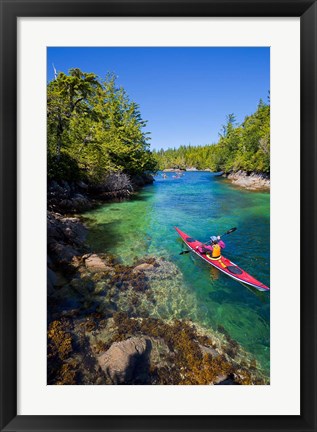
x=10 y=11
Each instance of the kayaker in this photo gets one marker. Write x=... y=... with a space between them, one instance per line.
x=216 y=244
x=213 y=251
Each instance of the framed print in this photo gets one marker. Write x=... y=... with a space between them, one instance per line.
x=158 y=215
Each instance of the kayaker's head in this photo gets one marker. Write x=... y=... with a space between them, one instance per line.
x=214 y=239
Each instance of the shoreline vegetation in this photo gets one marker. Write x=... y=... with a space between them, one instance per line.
x=99 y=327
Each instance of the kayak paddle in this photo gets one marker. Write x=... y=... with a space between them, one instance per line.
x=228 y=232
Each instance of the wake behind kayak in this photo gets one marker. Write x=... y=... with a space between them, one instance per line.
x=224 y=264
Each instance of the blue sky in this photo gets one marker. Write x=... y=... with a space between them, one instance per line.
x=183 y=93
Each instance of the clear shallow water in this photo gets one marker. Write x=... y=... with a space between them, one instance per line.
x=201 y=204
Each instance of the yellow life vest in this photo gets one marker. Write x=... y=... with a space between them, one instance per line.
x=216 y=251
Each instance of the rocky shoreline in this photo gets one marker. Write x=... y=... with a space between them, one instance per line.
x=100 y=328
x=250 y=181
x=75 y=197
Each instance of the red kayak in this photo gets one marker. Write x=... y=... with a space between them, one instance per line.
x=223 y=264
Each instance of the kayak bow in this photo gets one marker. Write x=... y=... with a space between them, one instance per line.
x=223 y=264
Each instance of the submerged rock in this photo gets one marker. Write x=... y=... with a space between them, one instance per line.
x=95 y=264
x=144 y=266
x=120 y=360
x=209 y=350
x=82 y=285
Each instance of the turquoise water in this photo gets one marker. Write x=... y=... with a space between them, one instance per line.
x=201 y=204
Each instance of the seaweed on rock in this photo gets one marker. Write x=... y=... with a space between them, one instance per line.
x=186 y=364
x=60 y=348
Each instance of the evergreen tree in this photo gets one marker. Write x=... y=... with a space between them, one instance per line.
x=240 y=147
x=93 y=129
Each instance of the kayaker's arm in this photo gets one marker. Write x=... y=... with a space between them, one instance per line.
x=221 y=244
x=203 y=248
x=231 y=230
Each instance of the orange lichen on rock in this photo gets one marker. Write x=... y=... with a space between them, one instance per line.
x=188 y=363
x=68 y=373
x=62 y=368
x=59 y=341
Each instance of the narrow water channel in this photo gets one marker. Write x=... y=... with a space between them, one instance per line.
x=201 y=204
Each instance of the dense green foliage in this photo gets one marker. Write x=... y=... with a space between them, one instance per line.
x=240 y=147
x=185 y=157
x=93 y=128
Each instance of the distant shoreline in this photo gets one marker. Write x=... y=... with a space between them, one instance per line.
x=252 y=181
x=190 y=169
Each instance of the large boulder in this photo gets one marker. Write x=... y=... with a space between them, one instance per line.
x=95 y=264
x=120 y=361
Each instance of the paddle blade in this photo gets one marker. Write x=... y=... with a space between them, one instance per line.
x=231 y=230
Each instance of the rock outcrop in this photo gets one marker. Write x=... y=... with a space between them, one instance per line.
x=76 y=197
x=251 y=181
x=120 y=361
x=65 y=241
x=95 y=264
